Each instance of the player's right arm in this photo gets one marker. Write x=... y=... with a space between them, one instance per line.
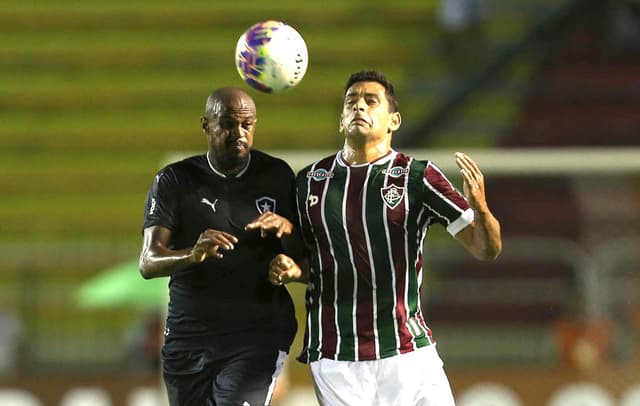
x=157 y=259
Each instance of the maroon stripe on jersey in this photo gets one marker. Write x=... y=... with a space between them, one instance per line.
x=360 y=252
x=397 y=237
x=329 y=336
x=436 y=179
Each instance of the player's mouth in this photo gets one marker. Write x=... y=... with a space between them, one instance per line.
x=359 y=121
x=239 y=144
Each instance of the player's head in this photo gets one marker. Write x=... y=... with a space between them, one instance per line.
x=370 y=106
x=375 y=76
x=229 y=122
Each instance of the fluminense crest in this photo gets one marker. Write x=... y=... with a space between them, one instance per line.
x=392 y=195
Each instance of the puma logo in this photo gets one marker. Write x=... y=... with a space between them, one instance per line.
x=152 y=210
x=208 y=203
x=313 y=200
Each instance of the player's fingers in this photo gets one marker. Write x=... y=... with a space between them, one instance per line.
x=222 y=242
x=275 y=262
x=284 y=227
x=466 y=176
x=229 y=237
x=214 y=251
x=468 y=163
x=274 y=276
x=284 y=262
x=217 y=235
x=259 y=221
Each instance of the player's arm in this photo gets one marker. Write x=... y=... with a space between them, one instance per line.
x=157 y=259
x=482 y=237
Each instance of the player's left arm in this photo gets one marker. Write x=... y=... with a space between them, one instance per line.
x=482 y=237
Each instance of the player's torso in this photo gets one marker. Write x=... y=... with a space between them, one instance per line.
x=362 y=222
x=210 y=201
x=361 y=213
x=232 y=293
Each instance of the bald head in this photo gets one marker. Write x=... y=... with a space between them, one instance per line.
x=229 y=98
x=229 y=123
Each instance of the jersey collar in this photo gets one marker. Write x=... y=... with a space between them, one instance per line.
x=237 y=175
x=383 y=159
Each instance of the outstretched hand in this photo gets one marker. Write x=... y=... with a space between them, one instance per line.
x=269 y=222
x=211 y=242
x=473 y=178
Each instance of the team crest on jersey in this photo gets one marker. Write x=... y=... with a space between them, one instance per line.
x=396 y=171
x=392 y=195
x=265 y=204
x=319 y=174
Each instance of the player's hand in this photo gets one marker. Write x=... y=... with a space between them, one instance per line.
x=283 y=269
x=269 y=222
x=473 y=178
x=211 y=242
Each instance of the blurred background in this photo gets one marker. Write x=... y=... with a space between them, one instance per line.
x=96 y=96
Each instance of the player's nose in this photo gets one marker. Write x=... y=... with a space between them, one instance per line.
x=359 y=105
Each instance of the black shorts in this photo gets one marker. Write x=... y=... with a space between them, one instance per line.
x=222 y=374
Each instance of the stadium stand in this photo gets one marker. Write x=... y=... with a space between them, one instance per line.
x=587 y=90
x=96 y=94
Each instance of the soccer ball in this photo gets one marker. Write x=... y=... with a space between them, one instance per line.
x=271 y=56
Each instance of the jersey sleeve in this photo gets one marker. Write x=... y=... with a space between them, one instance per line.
x=446 y=204
x=162 y=201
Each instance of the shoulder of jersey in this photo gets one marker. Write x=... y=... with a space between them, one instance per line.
x=303 y=171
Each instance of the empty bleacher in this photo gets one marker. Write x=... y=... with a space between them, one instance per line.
x=586 y=92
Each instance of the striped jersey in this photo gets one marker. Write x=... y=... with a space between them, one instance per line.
x=364 y=226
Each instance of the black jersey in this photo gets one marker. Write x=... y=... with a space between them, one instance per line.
x=232 y=295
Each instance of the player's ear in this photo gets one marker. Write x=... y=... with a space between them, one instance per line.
x=340 y=125
x=396 y=120
x=204 y=122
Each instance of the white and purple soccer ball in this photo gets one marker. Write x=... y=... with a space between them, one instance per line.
x=271 y=56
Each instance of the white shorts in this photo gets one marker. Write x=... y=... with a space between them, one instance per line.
x=415 y=378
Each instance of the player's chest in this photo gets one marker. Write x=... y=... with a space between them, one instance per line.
x=229 y=205
x=376 y=189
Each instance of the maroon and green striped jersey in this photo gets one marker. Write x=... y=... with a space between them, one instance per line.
x=364 y=226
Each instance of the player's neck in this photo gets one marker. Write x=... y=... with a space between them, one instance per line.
x=355 y=153
x=228 y=169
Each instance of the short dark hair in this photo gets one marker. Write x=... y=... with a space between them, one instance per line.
x=375 y=76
